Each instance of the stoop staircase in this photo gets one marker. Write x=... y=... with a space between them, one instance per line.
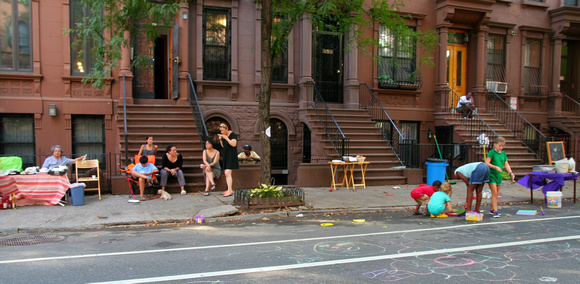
x=169 y=125
x=366 y=140
x=520 y=158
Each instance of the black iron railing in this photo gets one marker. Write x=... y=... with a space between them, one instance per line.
x=570 y=105
x=388 y=128
x=331 y=128
x=520 y=127
x=455 y=154
x=476 y=127
x=533 y=84
x=196 y=112
x=400 y=76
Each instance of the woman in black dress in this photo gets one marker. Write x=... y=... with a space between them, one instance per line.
x=229 y=141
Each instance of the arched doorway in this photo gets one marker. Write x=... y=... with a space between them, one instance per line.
x=279 y=151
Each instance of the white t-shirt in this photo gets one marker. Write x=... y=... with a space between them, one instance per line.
x=463 y=100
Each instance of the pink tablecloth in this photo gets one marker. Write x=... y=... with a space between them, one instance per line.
x=39 y=189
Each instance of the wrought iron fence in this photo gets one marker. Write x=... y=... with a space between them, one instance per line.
x=520 y=127
x=109 y=163
x=455 y=154
x=331 y=128
x=196 y=112
x=388 y=128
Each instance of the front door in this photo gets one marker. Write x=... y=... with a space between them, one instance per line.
x=456 y=70
x=570 y=72
x=155 y=77
x=327 y=65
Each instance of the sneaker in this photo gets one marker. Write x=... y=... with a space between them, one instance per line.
x=491 y=212
x=496 y=214
x=183 y=192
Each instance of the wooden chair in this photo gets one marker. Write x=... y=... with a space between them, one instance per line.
x=85 y=166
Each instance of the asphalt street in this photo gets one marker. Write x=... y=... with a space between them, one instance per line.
x=383 y=247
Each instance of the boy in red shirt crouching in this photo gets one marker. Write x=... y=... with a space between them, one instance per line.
x=422 y=195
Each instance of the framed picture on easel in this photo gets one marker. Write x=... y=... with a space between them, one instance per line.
x=555 y=151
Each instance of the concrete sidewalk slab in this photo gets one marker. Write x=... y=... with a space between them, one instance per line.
x=115 y=210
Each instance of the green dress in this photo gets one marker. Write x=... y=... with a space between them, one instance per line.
x=497 y=159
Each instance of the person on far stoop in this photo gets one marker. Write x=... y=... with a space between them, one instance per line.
x=247 y=156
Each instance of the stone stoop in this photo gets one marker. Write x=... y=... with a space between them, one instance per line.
x=169 y=125
x=521 y=159
x=365 y=140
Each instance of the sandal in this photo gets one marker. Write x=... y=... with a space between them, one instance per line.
x=227 y=195
x=417 y=213
x=212 y=187
x=206 y=193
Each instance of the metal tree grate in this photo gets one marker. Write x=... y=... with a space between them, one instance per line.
x=30 y=240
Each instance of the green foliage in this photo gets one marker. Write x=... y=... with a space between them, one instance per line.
x=265 y=191
x=108 y=24
x=354 y=18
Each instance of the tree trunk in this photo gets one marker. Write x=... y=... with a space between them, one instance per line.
x=265 y=90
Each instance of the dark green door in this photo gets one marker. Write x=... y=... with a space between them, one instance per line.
x=327 y=65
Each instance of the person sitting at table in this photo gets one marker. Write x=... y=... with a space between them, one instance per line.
x=143 y=172
x=57 y=159
x=247 y=156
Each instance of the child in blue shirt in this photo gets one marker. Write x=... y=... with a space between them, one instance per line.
x=440 y=200
x=143 y=172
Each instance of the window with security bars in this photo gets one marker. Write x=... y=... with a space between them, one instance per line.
x=530 y=137
x=88 y=136
x=496 y=58
x=216 y=44
x=17 y=137
x=83 y=54
x=397 y=60
x=15 y=35
x=408 y=146
x=532 y=67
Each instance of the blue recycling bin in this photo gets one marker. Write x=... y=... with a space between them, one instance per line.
x=436 y=169
x=77 y=195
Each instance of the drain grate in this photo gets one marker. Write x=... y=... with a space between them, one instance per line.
x=30 y=240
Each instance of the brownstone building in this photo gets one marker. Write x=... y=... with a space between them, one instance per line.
x=525 y=53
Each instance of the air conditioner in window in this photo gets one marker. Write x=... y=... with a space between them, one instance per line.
x=497 y=87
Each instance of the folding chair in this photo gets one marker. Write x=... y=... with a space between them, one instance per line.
x=83 y=167
x=151 y=187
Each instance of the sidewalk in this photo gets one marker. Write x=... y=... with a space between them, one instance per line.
x=115 y=210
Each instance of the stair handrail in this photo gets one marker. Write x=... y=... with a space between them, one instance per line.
x=515 y=122
x=476 y=127
x=379 y=114
x=331 y=127
x=570 y=105
x=196 y=112
x=125 y=121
